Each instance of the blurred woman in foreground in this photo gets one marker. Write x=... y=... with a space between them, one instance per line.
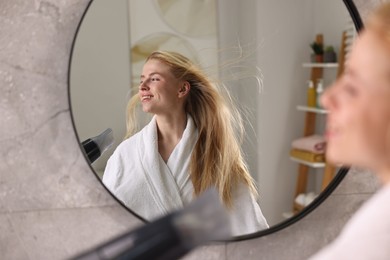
x=358 y=134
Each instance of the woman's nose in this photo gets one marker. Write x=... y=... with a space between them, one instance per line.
x=324 y=99
x=144 y=85
x=327 y=98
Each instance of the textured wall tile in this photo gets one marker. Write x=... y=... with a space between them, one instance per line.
x=10 y=244
x=40 y=234
x=210 y=252
x=60 y=234
x=86 y=228
x=28 y=101
x=49 y=170
x=37 y=35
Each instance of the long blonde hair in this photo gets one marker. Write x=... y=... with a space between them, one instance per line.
x=217 y=158
x=379 y=22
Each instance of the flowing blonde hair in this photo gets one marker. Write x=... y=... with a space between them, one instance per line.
x=217 y=158
x=379 y=22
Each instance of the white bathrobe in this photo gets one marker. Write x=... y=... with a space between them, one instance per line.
x=138 y=176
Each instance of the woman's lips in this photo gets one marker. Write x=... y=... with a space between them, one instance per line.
x=146 y=97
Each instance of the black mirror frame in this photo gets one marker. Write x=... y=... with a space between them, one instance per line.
x=321 y=198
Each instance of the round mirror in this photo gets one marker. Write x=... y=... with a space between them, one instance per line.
x=274 y=58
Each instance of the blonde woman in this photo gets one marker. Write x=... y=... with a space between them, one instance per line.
x=188 y=146
x=358 y=133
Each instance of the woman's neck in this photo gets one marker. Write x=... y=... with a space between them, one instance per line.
x=170 y=129
x=171 y=126
x=384 y=177
x=383 y=173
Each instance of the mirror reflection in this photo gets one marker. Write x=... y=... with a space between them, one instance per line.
x=187 y=147
x=259 y=53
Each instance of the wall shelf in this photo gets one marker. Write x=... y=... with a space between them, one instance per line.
x=310 y=164
x=311 y=113
x=312 y=109
x=320 y=65
x=298 y=206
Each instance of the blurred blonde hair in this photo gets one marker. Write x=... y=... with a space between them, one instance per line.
x=217 y=158
x=379 y=22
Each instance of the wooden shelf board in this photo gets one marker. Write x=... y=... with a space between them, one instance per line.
x=320 y=65
x=312 y=109
x=310 y=164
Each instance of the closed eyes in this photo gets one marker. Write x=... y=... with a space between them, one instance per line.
x=151 y=79
x=351 y=90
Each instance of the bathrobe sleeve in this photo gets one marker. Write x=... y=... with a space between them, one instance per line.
x=122 y=176
x=113 y=172
x=246 y=216
x=119 y=169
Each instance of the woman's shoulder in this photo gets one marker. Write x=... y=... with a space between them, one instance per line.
x=120 y=161
x=127 y=143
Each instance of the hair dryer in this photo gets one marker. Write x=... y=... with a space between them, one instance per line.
x=94 y=147
x=172 y=236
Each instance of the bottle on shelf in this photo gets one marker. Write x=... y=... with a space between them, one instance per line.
x=311 y=95
x=319 y=90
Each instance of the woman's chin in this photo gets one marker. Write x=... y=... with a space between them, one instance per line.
x=338 y=158
x=146 y=109
x=333 y=157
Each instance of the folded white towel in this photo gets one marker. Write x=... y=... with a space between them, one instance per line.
x=312 y=143
x=305 y=199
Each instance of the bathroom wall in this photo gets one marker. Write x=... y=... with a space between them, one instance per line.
x=285 y=87
x=51 y=206
x=100 y=74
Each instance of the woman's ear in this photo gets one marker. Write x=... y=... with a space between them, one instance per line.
x=184 y=89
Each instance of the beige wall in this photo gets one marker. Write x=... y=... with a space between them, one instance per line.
x=285 y=87
x=100 y=73
x=51 y=206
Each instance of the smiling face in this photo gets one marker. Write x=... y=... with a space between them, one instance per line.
x=358 y=125
x=160 y=92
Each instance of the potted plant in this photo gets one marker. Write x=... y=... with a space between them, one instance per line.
x=330 y=54
x=318 y=52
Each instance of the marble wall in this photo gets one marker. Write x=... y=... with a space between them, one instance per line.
x=51 y=205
